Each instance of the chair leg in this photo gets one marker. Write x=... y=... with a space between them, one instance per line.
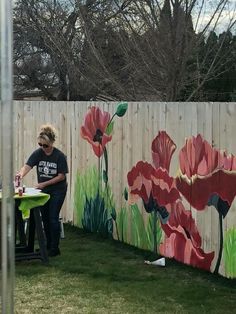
x=62 y=233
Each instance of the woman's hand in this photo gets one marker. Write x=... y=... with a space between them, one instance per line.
x=40 y=186
x=19 y=173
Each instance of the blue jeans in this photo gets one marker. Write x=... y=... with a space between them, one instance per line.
x=50 y=216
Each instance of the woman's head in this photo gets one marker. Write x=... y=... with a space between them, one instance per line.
x=47 y=137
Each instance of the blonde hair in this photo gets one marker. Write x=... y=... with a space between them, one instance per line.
x=48 y=133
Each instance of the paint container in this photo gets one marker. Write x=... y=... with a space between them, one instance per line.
x=20 y=191
x=17 y=181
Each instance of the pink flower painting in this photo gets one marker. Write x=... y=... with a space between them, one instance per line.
x=207 y=177
x=205 y=171
x=94 y=129
x=183 y=241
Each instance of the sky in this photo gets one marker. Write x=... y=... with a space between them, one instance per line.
x=227 y=16
x=223 y=21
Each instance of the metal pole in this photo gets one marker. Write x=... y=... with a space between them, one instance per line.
x=7 y=211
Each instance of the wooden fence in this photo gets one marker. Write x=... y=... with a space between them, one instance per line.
x=131 y=142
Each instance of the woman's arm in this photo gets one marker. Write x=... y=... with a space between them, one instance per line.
x=58 y=178
x=24 y=170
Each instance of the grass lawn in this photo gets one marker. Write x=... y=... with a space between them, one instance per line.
x=95 y=275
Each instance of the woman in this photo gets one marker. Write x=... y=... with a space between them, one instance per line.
x=52 y=168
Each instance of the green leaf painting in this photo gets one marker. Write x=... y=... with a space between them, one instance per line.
x=105 y=177
x=121 y=109
x=107 y=195
x=126 y=194
x=122 y=223
x=138 y=232
x=150 y=232
x=95 y=218
x=93 y=204
x=86 y=186
x=141 y=233
x=109 y=128
x=229 y=253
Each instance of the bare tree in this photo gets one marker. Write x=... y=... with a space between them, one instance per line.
x=130 y=49
x=48 y=29
x=166 y=40
x=74 y=38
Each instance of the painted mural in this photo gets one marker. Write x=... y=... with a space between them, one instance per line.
x=206 y=177
x=94 y=199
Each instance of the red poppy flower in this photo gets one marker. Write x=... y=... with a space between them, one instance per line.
x=94 y=129
x=205 y=171
x=140 y=181
x=163 y=188
x=183 y=241
x=162 y=150
x=147 y=182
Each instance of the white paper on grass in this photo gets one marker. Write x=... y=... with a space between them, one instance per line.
x=158 y=262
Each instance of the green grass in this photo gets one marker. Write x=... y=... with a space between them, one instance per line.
x=96 y=275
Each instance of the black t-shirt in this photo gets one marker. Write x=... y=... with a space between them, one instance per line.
x=49 y=167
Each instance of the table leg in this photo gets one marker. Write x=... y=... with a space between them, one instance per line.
x=20 y=226
x=40 y=234
x=31 y=235
x=35 y=224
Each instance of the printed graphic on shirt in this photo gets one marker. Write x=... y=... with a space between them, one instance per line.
x=47 y=169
